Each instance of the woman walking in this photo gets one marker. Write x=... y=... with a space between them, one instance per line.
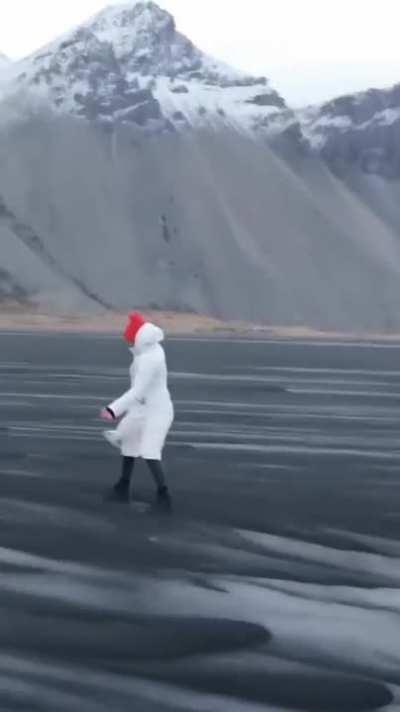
x=146 y=409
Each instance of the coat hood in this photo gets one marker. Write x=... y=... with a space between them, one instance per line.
x=148 y=335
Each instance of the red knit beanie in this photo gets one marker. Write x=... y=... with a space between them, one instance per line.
x=136 y=321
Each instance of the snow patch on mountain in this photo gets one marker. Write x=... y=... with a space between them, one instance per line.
x=356 y=113
x=316 y=125
x=359 y=131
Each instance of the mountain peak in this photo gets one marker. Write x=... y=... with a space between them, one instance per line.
x=130 y=26
x=131 y=13
x=143 y=37
x=130 y=63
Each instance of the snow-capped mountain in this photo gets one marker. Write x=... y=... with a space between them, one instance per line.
x=130 y=63
x=359 y=130
x=137 y=171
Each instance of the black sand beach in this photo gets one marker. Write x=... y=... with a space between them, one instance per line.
x=275 y=583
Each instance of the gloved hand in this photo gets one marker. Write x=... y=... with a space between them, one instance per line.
x=107 y=414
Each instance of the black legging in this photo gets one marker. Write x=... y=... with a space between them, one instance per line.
x=155 y=467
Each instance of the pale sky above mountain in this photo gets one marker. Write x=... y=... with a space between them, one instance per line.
x=311 y=50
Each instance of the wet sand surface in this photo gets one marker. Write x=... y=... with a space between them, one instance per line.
x=274 y=585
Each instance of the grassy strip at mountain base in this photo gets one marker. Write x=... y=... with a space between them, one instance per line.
x=16 y=317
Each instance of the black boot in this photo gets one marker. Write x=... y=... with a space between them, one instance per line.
x=163 y=496
x=164 y=501
x=120 y=491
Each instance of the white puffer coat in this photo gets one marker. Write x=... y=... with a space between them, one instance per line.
x=147 y=407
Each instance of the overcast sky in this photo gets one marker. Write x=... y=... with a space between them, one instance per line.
x=311 y=50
